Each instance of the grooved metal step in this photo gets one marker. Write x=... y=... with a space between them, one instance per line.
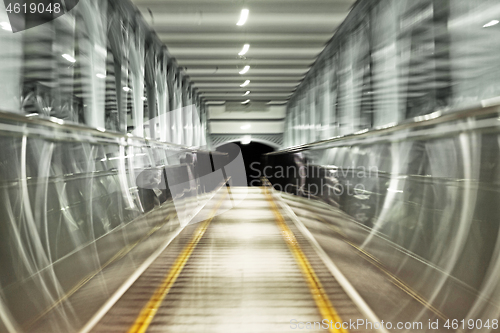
x=241 y=277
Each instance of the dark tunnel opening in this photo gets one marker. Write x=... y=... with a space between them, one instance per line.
x=253 y=155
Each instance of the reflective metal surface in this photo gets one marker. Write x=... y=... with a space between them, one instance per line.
x=397 y=125
x=73 y=202
x=99 y=65
x=422 y=202
x=242 y=276
x=391 y=61
x=391 y=149
x=95 y=124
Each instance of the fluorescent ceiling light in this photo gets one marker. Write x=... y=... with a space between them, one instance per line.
x=491 y=23
x=69 y=58
x=245 y=70
x=101 y=76
x=127 y=89
x=246 y=102
x=247 y=93
x=245 y=127
x=244 y=50
x=246 y=83
x=5 y=26
x=243 y=17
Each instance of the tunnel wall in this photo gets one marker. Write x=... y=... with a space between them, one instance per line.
x=422 y=198
x=75 y=201
x=391 y=61
x=102 y=66
x=95 y=118
x=397 y=125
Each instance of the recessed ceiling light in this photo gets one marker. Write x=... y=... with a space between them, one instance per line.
x=246 y=83
x=245 y=70
x=127 y=89
x=243 y=17
x=246 y=102
x=247 y=93
x=244 y=50
x=491 y=23
x=101 y=76
x=144 y=99
x=69 y=58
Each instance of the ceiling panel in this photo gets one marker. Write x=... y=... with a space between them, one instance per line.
x=285 y=37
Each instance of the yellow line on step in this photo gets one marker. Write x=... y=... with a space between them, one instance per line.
x=147 y=314
x=323 y=303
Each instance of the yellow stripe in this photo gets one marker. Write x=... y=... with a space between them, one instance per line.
x=147 y=314
x=320 y=297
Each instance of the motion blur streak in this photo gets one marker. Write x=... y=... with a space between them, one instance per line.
x=87 y=158
x=148 y=312
x=408 y=88
x=122 y=121
x=324 y=305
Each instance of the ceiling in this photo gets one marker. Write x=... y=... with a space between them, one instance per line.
x=285 y=37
